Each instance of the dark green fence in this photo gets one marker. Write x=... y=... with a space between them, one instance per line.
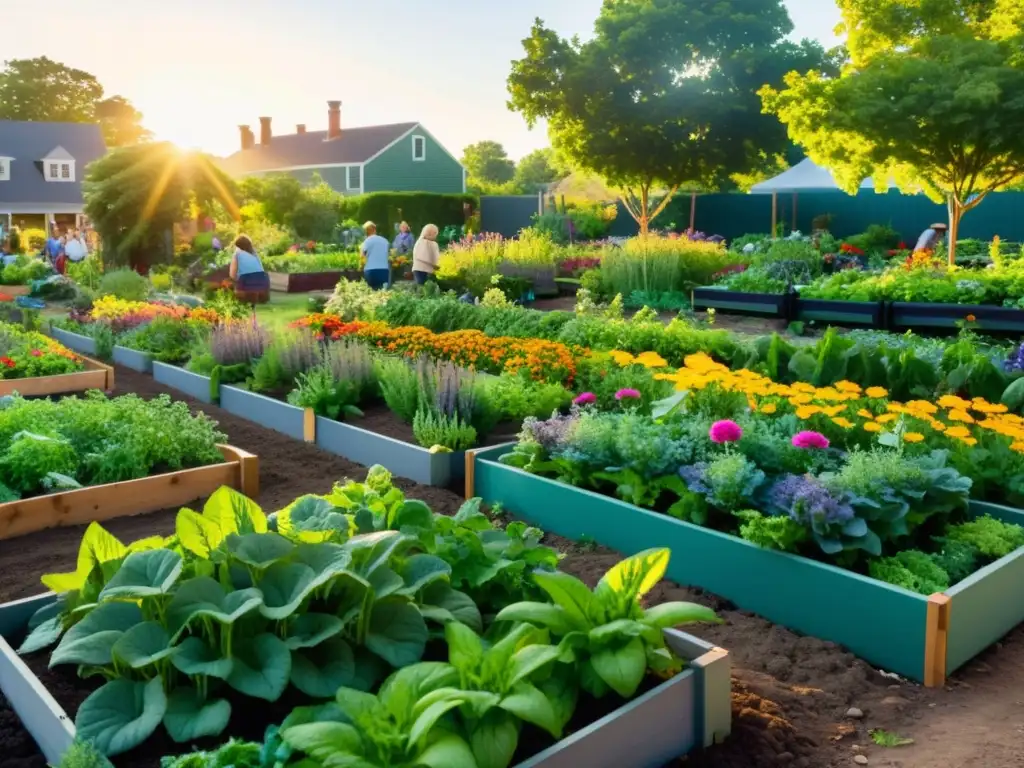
x=732 y=215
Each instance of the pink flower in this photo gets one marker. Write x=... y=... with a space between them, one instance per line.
x=627 y=394
x=36 y=353
x=725 y=432
x=585 y=398
x=810 y=440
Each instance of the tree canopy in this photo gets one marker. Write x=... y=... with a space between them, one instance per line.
x=45 y=90
x=134 y=196
x=664 y=93
x=487 y=162
x=537 y=169
x=933 y=103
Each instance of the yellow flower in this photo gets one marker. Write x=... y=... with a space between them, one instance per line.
x=1017 y=446
x=983 y=407
x=848 y=386
x=885 y=418
x=829 y=393
x=651 y=360
x=952 y=401
x=958 y=415
x=770 y=408
x=872 y=426
x=834 y=410
x=968 y=441
x=801 y=400
x=895 y=408
x=621 y=358
x=876 y=392
x=913 y=437
x=864 y=413
x=806 y=411
x=844 y=423
x=958 y=432
x=921 y=406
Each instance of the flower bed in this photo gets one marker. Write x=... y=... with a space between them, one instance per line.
x=742 y=302
x=32 y=364
x=309 y=629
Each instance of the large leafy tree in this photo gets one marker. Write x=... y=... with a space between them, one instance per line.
x=663 y=94
x=487 y=162
x=932 y=102
x=45 y=90
x=538 y=168
x=134 y=196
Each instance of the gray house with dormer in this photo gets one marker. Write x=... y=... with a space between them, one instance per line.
x=41 y=171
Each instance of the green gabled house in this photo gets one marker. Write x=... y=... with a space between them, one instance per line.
x=403 y=157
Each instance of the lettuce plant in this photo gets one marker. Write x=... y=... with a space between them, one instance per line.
x=607 y=631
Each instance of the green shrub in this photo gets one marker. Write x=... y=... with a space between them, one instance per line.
x=911 y=569
x=124 y=283
x=388 y=209
x=992 y=538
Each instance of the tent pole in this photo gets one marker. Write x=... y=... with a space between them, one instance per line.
x=775 y=211
x=693 y=211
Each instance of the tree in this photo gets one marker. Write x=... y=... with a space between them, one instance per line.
x=940 y=113
x=487 y=162
x=45 y=90
x=537 y=169
x=663 y=94
x=134 y=196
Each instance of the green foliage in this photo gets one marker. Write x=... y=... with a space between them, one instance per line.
x=992 y=538
x=959 y=559
x=432 y=428
x=338 y=384
x=400 y=387
x=779 y=532
x=487 y=161
x=233 y=754
x=83 y=754
x=388 y=209
x=913 y=570
x=355 y=300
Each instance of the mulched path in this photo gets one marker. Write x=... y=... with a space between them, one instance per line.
x=790 y=693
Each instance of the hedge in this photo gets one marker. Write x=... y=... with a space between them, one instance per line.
x=388 y=209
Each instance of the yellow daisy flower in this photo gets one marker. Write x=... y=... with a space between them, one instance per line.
x=651 y=360
x=769 y=409
x=622 y=359
x=876 y=393
x=844 y=423
x=872 y=426
x=913 y=437
x=801 y=386
x=806 y=411
x=885 y=418
x=921 y=406
x=968 y=441
x=864 y=413
x=952 y=401
x=848 y=386
x=958 y=432
x=959 y=415
x=1017 y=446
x=801 y=400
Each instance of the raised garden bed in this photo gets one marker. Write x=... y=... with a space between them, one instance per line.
x=95 y=376
x=301 y=282
x=868 y=313
x=83 y=345
x=16 y=290
x=133 y=358
x=194 y=385
x=918 y=637
x=239 y=470
x=917 y=315
x=688 y=712
x=742 y=302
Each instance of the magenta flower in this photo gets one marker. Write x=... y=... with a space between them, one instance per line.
x=627 y=394
x=725 y=432
x=36 y=353
x=586 y=398
x=810 y=440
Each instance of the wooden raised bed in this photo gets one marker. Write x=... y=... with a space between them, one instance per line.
x=16 y=290
x=302 y=282
x=742 y=302
x=687 y=713
x=921 y=638
x=95 y=376
x=239 y=470
x=919 y=315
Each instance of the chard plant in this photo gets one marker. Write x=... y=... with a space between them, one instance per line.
x=607 y=632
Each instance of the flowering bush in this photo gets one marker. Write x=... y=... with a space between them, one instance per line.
x=27 y=354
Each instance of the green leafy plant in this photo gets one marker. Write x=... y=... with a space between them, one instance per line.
x=432 y=428
x=911 y=569
x=83 y=754
x=124 y=283
x=990 y=537
x=885 y=738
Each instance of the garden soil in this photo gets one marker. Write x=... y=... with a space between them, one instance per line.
x=792 y=695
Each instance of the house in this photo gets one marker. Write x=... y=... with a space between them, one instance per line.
x=41 y=170
x=403 y=157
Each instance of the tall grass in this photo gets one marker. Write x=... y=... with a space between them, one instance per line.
x=659 y=264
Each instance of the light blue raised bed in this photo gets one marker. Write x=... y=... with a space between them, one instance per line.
x=85 y=345
x=192 y=384
x=133 y=358
x=265 y=411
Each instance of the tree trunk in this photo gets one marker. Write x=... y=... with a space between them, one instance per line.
x=644 y=221
x=956 y=211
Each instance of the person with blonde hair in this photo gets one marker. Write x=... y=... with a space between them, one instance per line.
x=425 y=255
x=376 y=251
x=403 y=240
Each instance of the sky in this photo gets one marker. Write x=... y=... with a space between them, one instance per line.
x=197 y=69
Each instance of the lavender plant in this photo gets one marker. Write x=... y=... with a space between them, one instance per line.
x=238 y=343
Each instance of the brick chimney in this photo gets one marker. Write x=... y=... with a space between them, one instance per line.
x=248 y=139
x=265 y=131
x=300 y=129
x=333 y=119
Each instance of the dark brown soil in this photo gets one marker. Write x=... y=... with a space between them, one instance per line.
x=382 y=420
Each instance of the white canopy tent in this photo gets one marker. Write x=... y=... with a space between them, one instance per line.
x=805 y=176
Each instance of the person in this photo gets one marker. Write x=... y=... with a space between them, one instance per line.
x=425 y=255
x=252 y=283
x=931 y=237
x=403 y=244
x=75 y=248
x=375 y=249
x=53 y=248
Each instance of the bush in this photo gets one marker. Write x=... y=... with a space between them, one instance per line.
x=33 y=240
x=388 y=209
x=124 y=283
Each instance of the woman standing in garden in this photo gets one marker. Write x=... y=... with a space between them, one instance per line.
x=425 y=255
x=252 y=283
x=375 y=250
x=403 y=244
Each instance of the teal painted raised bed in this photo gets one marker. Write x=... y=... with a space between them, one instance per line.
x=134 y=359
x=691 y=711
x=742 y=302
x=918 y=637
x=192 y=384
x=84 y=345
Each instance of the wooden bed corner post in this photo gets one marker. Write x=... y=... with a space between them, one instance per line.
x=110 y=378
x=309 y=425
x=470 y=467
x=935 y=640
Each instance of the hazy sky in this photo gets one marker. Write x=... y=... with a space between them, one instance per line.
x=199 y=68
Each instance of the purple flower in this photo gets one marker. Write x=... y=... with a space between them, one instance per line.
x=627 y=394
x=810 y=440
x=552 y=433
x=809 y=502
x=725 y=432
x=585 y=398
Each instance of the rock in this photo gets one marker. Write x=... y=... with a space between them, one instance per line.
x=893 y=701
x=784 y=758
x=856 y=747
x=860 y=760
x=894 y=687
x=854 y=714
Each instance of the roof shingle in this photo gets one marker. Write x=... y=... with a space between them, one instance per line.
x=30 y=142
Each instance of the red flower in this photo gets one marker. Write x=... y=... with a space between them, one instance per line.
x=7 y=361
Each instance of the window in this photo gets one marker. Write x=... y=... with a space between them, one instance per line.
x=65 y=171
x=419 y=149
x=53 y=170
x=5 y=168
x=60 y=170
x=355 y=177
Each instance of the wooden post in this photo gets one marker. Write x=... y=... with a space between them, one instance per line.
x=470 y=467
x=775 y=211
x=935 y=640
x=794 y=212
x=693 y=211
x=309 y=425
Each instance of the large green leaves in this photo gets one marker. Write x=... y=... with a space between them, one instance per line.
x=226 y=512
x=195 y=657
x=97 y=547
x=669 y=615
x=204 y=598
x=46 y=626
x=189 y=716
x=142 y=645
x=570 y=594
x=144 y=574
x=311 y=629
x=636 y=576
x=92 y=639
x=261 y=667
x=397 y=632
x=494 y=740
x=623 y=668
x=319 y=672
x=284 y=587
x=121 y=715
x=326 y=742
x=258 y=550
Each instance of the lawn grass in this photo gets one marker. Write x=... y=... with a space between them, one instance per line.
x=282 y=309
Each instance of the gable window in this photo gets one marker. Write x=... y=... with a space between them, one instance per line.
x=5 y=168
x=54 y=170
x=65 y=171
x=419 y=149
x=62 y=170
x=355 y=177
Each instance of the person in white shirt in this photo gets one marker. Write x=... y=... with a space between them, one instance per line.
x=931 y=237
x=74 y=247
